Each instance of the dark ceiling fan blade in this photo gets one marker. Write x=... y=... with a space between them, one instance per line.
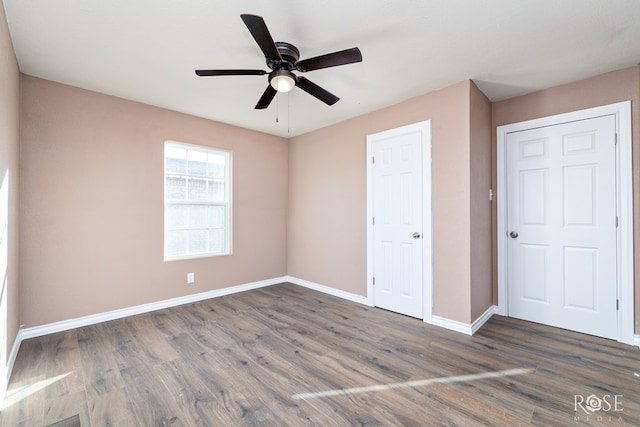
x=266 y=98
x=203 y=73
x=315 y=90
x=260 y=33
x=343 y=57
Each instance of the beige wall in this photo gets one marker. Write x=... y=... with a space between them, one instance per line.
x=480 y=221
x=92 y=204
x=9 y=157
x=605 y=89
x=91 y=210
x=327 y=197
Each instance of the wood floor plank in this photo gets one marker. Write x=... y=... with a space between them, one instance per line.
x=301 y=339
x=286 y=355
x=269 y=387
x=251 y=401
x=30 y=361
x=150 y=340
x=197 y=322
x=122 y=342
x=218 y=372
x=24 y=401
x=274 y=316
x=229 y=306
x=150 y=399
x=99 y=366
x=469 y=410
x=67 y=406
x=63 y=360
x=112 y=408
x=301 y=372
x=197 y=402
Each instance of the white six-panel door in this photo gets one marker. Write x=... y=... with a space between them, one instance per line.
x=561 y=221
x=397 y=193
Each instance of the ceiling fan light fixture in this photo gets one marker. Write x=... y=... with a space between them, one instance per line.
x=282 y=80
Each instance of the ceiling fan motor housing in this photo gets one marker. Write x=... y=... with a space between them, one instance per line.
x=289 y=54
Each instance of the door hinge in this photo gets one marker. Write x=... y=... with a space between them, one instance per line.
x=616 y=143
x=374 y=281
x=373 y=220
x=373 y=160
x=617 y=304
x=616 y=221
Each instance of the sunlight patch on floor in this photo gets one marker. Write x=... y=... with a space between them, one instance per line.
x=413 y=384
x=16 y=395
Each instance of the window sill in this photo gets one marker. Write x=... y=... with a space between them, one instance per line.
x=195 y=256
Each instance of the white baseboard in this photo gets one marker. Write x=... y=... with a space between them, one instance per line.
x=636 y=340
x=477 y=324
x=330 y=291
x=465 y=328
x=11 y=360
x=14 y=353
x=64 y=325
x=452 y=325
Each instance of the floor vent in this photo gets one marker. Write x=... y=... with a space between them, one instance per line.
x=73 y=421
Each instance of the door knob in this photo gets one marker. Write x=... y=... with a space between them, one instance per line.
x=416 y=235
x=513 y=234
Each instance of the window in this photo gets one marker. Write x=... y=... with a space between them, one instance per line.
x=197 y=201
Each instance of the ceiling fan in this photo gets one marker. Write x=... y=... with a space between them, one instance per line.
x=282 y=59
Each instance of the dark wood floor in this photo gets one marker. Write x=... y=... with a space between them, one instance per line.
x=288 y=356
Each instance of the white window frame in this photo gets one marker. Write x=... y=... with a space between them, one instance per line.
x=227 y=203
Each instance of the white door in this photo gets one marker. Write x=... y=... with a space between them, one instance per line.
x=561 y=221
x=397 y=191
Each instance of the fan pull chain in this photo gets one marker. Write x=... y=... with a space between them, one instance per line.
x=277 y=106
x=288 y=114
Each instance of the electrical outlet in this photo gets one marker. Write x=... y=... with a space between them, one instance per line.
x=191 y=278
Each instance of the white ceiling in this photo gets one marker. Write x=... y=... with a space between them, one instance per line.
x=147 y=50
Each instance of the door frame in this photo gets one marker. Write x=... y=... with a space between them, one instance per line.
x=427 y=235
x=624 y=206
